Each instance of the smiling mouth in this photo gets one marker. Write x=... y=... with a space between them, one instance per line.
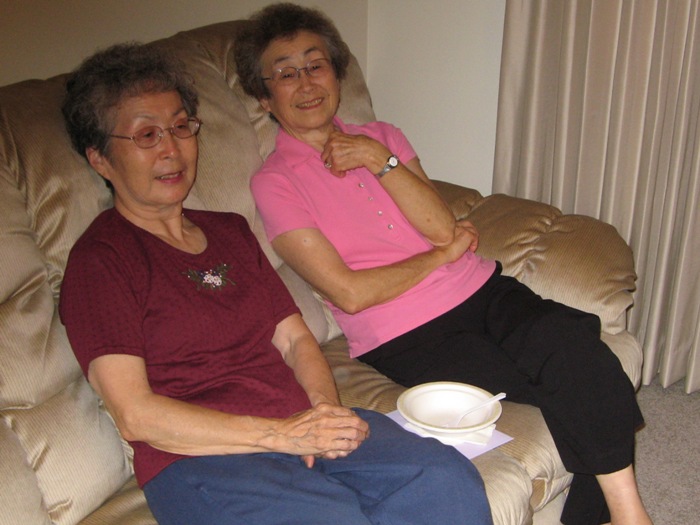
x=169 y=176
x=311 y=103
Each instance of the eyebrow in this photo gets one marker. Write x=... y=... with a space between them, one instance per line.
x=288 y=57
x=152 y=116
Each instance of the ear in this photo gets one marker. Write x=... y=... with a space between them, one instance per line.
x=265 y=103
x=98 y=162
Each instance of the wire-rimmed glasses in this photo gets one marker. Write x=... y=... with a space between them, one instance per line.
x=289 y=74
x=150 y=136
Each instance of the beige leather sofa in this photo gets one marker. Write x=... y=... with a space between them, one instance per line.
x=61 y=459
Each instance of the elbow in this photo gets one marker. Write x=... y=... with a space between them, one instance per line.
x=127 y=430
x=442 y=236
x=351 y=301
x=441 y=239
x=349 y=306
x=129 y=426
x=352 y=308
x=441 y=230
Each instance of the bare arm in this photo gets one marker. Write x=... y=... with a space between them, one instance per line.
x=300 y=351
x=316 y=260
x=326 y=430
x=311 y=370
x=407 y=185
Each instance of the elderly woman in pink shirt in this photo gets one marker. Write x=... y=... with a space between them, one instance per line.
x=352 y=211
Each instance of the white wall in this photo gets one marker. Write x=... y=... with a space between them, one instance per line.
x=433 y=70
x=432 y=66
x=42 y=38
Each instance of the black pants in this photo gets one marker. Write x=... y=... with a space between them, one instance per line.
x=505 y=338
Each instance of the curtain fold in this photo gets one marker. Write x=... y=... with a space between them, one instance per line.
x=599 y=114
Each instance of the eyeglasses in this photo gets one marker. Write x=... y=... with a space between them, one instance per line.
x=150 y=136
x=290 y=74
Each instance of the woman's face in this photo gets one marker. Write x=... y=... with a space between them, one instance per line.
x=148 y=182
x=308 y=104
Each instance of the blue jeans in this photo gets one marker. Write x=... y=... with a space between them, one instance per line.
x=393 y=478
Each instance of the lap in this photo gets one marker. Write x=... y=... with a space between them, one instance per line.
x=501 y=338
x=389 y=479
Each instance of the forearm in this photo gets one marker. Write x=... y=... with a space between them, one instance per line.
x=183 y=428
x=313 y=373
x=173 y=425
x=302 y=354
x=326 y=430
x=317 y=261
x=361 y=289
x=420 y=203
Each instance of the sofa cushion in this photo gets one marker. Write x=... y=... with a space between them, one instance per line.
x=71 y=452
x=508 y=488
x=72 y=447
x=20 y=494
x=60 y=194
x=126 y=507
x=533 y=448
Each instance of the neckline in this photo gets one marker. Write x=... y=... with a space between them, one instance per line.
x=152 y=237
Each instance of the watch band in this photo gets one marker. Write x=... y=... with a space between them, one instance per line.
x=391 y=163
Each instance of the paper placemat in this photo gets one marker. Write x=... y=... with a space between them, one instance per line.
x=478 y=442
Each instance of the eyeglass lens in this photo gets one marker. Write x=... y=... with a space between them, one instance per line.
x=315 y=68
x=150 y=136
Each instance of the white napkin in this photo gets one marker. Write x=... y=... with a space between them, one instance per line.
x=478 y=437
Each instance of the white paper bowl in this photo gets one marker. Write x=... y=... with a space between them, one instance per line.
x=437 y=406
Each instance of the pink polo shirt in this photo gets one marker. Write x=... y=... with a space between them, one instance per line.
x=294 y=190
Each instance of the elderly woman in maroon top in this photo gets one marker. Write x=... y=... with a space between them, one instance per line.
x=197 y=349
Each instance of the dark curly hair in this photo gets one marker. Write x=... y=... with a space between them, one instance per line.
x=283 y=20
x=102 y=81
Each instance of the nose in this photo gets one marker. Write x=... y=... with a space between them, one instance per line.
x=304 y=78
x=169 y=145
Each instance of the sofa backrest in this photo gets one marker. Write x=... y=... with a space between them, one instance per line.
x=60 y=455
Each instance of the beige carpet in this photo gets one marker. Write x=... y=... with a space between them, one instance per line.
x=668 y=454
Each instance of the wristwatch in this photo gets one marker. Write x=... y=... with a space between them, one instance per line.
x=391 y=163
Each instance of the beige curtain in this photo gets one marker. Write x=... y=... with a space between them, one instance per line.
x=599 y=114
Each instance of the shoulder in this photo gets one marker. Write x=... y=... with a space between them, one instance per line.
x=273 y=181
x=109 y=233
x=374 y=128
x=384 y=132
x=388 y=134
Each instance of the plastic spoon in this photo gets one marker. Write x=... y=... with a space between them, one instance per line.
x=486 y=403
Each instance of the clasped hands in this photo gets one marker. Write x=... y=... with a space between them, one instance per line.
x=324 y=431
x=343 y=152
x=466 y=238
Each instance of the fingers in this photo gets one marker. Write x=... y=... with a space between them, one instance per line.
x=464 y=240
x=326 y=430
x=308 y=461
x=471 y=230
x=343 y=152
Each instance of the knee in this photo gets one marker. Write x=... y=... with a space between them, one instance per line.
x=449 y=465
x=461 y=487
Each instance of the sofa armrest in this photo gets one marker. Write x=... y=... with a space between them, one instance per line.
x=460 y=199
x=576 y=260
x=573 y=259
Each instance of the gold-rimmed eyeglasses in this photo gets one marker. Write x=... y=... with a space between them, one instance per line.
x=289 y=74
x=150 y=136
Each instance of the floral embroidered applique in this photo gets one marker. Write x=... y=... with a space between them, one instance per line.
x=213 y=279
